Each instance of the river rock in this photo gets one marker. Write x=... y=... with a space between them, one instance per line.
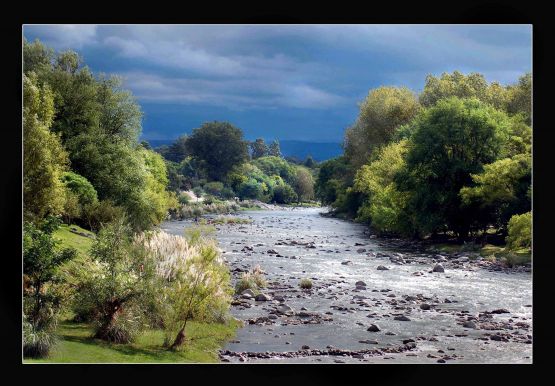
x=348 y=262
x=248 y=292
x=469 y=324
x=438 y=268
x=425 y=306
x=402 y=318
x=285 y=309
x=361 y=250
x=373 y=328
x=263 y=298
x=382 y=268
x=360 y=283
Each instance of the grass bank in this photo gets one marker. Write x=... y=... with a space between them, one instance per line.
x=76 y=345
x=487 y=251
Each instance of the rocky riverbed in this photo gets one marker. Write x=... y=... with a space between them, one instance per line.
x=372 y=300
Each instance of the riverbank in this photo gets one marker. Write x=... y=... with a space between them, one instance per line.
x=76 y=345
x=370 y=297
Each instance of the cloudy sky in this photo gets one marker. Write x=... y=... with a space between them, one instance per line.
x=281 y=81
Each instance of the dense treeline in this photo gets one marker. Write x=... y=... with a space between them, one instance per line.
x=454 y=160
x=216 y=161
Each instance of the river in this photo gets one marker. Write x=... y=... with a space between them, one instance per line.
x=336 y=313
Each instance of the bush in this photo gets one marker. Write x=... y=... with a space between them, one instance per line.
x=36 y=343
x=183 y=198
x=253 y=280
x=520 y=231
x=214 y=188
x=198 y=191
x=305 y=284
x=284 y=194
x=102 y=212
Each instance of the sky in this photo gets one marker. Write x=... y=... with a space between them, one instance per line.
x=290 y=82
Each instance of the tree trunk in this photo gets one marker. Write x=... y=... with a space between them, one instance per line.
x=179 y=339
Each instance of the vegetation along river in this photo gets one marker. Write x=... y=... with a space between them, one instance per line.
x=469 y=313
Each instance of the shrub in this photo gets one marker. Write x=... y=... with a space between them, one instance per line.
x=214 y=188
x=36 y=343
x=284 y=194
x=183 y=198
x=253 y=280
x=198 y=191
x=520 y=231
x=113 y=289
x=305 y=284
x=102 y=212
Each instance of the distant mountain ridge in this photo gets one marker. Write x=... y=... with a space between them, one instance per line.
x=320 y=151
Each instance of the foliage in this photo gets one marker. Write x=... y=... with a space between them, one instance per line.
x=381 y=113
x=114 y=287
x=276 y=166
x=452 y=140
x=305 y=284
x=253 y=280
x=501 y=190
x=520 y=231
x=85 y=191
x=218 y=146
x=215 y=188
x=520 y=98
x=330 y=180
x=44 y=159
x=258 y=148
x=41 y=261
x=194 y=280
x=384 y=205
x=284 y=194
x=304 y=184
x=274 y=149
x=177 y=151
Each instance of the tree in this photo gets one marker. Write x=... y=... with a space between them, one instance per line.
x=309 y=162
x=501 y=190
x=452 y=140
x=177 y=151
x=520 y=98
x=384 y=206
x=219 y=146
x=274 y=149
x=520 y=231
x=41 y=259
x=44 y=158
x=276 y=166
x=114 y=286
x=284 y=194
x=473 y=85
x=381 y=113
x=258 y=148
x=304 y=184
x=330 y=181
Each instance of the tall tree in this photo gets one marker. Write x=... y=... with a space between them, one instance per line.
x=219 y=146
x=274 y=149
x=453 y=139
x=381 y=113
x=44 y=158
x=258 y=148
x=177 y=151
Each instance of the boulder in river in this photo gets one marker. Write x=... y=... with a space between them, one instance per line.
x=382 y=268
x=263 y=298
x=373 y=328
x=360 y=283
x=402 y=318
x=438 y=268
x=469 y=324
x=347 y=262
x=249 y=292
x=425 y=306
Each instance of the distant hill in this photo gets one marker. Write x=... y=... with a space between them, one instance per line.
x=320 y=151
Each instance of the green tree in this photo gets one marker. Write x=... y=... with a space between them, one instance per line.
x=381 y=113
x=330 y=181
x=274 y=149
x=520 y=231
x=177 y=151
x=276 y=166
x=304 y=184
x=42 y=258
x=258 y=148
x=452 y=140
x=520 y=98
x=113 y=288
x=44 y=158
x=384 y=206
x=218 y=146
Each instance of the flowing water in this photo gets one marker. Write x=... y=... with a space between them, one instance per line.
x=312 y=246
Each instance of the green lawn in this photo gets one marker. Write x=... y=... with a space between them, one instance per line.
x=69 y=239
x=75 y=345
